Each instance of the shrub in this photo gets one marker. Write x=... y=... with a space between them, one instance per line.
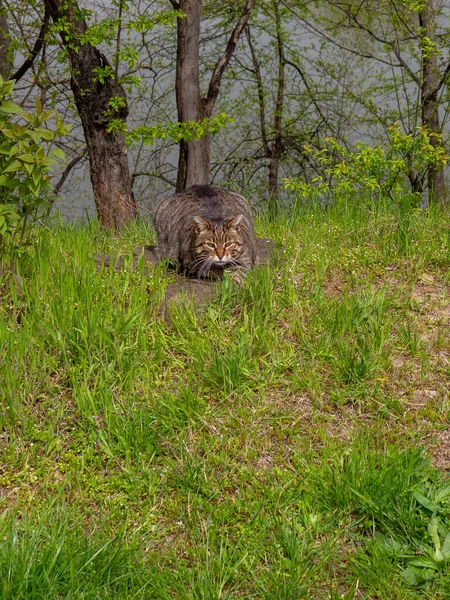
x=26 y=153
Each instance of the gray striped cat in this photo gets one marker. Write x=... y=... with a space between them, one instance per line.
x=206 y=230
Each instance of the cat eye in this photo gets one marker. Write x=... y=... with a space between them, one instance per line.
x=228 y=244
x=211 y=245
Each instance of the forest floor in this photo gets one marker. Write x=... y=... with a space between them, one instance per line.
x=287 y=439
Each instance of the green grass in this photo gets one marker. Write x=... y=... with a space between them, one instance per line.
x=285 y=441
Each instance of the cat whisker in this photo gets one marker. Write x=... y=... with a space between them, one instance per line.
x=195 y=263
x=205 y=269
x=235 y=262
x=202 y=265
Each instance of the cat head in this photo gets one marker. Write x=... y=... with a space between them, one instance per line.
x=218 y=242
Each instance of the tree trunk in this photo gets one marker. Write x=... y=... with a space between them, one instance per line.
x=277 y=143
x=108 y=160
x=429 y=95
x=195 y=155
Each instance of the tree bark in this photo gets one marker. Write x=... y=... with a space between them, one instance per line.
x=277 y=144
x=429 y=95
x=195 y=155
x=107 y=152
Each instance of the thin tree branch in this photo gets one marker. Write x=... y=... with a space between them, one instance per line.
x=308 y=89
x=223 y=61
x=75 y=160
x=323 y=35
x=443 y=78
x=36 y=48
x=259 y=86
x=119 y=31
x=149 y=174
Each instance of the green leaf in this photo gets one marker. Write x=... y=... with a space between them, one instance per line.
x=14 y=166
x=416 y=577
x=29 y=168
x=36 y=177
x=8 y=133
x=45 y=115
x=445 y=549
x=426 y=562
x=29 y=117
x=443 y=492
x=28 y=158
x=389 y=544
x=438 y=558
x=9 y=107
x=39 y=155
x=58 y=153
x=46 y=186
x=425 y=502
x=47 y=161
x=8 y=150
x=45 y=134
x=35 y=136
x=411 y=576
x=11 y=183
x=8 y=87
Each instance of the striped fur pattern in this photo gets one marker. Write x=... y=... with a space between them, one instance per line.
x=206 y=230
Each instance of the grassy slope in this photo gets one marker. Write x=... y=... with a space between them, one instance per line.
x=281 y=442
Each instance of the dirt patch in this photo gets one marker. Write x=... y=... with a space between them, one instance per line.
x=299 y=405
x=433 y=298
x=420 y=398
x=334 y=286
x=441 y=452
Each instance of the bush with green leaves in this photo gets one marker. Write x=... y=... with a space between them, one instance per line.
x=373 y=171
x=26 y=153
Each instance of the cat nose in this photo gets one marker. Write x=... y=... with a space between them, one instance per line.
x=220 y=252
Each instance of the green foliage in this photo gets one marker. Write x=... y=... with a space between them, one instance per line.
x=425 y=556
x=414 y=5
x=187 y=130
x=373 y=170
x=101 y=74
x=428 y=47
x=26 y=154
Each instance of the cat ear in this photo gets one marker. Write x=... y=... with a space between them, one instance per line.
x=234 y=222
x=200 y=224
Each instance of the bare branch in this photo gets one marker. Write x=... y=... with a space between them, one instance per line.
x=36 y=48
x=443 y=78
x=308 y=89
x=223 y=61
x=69 y=167
x=259 y=85
x=158 y=175
x=323 y=35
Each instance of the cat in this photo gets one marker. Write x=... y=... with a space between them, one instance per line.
x=206 y=230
